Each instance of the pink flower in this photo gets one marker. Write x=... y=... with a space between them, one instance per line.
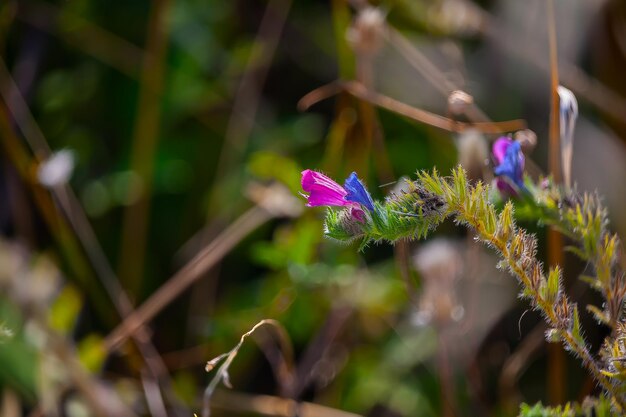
x=325 y=192
x=499 y=148
x=322 y=190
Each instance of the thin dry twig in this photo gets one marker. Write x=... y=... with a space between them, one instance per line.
x=21 y=114
x=431 y=73
x=266 y=405
x=420 y=62
x=360 y=91
x=423 y=65
x=154 y=399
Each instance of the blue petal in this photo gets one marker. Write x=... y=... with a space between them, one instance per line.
x=357 y=192
x=512 y=165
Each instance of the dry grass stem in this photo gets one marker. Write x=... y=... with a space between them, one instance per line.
x=190 y=273
x=360 y=91
x=266 y=405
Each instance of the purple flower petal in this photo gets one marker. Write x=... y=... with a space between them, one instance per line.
x=510 y=163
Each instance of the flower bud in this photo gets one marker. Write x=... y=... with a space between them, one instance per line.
x=351 y=224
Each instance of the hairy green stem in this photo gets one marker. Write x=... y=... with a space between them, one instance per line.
x=425 y=203
x=580 y=349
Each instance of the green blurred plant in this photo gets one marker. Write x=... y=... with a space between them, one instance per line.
x=600 y=407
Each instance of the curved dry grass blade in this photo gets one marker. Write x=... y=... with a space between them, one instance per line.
x=189 y=274
x=358 y=90
x=319 y=94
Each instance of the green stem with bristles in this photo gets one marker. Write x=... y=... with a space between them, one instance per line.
x=425 y=203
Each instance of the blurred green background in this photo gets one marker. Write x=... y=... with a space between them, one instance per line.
x=182 y=125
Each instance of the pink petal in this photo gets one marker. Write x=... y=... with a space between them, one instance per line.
x=322 y=190
x=312 y=180
x=499 y=148
x=319 y=199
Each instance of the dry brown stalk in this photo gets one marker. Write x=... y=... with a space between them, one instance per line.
x=360 y=91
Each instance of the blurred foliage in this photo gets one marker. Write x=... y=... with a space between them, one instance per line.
x=600 y=407
x=227 y=119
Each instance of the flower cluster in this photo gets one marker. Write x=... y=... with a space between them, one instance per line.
x=323 y=191
x=425 y=203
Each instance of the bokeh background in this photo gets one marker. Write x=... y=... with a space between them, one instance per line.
x=150 y=161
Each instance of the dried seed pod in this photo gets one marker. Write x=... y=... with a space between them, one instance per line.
x=459 y=101
x=527 y=138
